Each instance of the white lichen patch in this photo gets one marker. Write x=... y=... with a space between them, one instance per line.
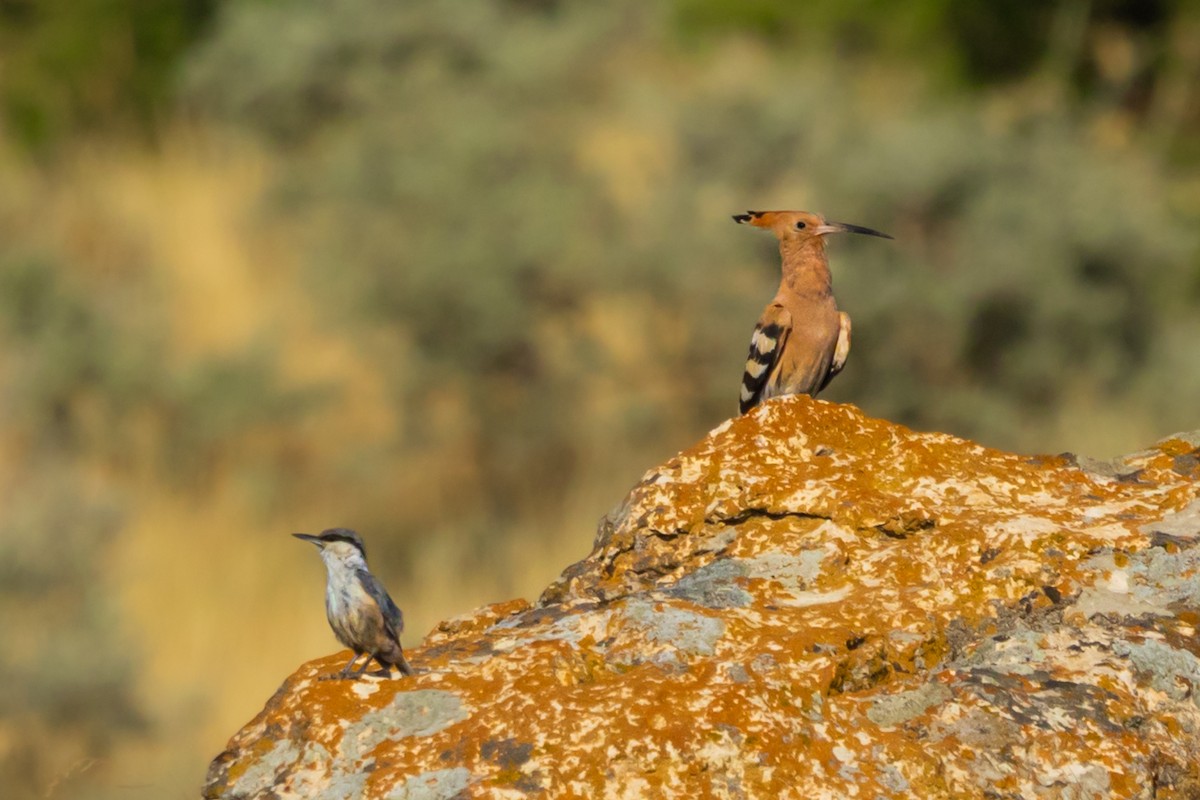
x=1025 y=529
x=364 y=688
x=960 y=492
x=807 y=599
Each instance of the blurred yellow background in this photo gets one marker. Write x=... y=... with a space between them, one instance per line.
x=456 y=273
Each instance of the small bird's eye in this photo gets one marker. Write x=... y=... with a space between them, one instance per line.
x=800 y=226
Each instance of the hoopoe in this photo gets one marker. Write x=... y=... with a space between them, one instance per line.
x=801 y=340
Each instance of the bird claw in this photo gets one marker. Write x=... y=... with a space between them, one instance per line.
x=386 y=672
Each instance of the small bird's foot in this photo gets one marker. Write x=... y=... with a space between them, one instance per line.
x=340 y=675
x=405 y=671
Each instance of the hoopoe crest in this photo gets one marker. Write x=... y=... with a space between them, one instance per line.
x=801 y=340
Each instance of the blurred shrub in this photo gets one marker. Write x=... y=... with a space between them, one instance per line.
x=66 y=672
x=83 y=380
x=87 y=367
x=475 y=178
x=65 y=668
x=72 y=65
x=436 y=175
x=977 y=42
x=66 y=352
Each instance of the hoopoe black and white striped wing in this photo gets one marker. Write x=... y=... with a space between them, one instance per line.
x=765 y=346
x=841 y=350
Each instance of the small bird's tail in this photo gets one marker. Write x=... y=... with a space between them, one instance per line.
x=401 y=663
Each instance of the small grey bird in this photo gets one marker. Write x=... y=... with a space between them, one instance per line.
x=361 y=613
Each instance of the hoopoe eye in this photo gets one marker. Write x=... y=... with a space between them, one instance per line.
x=801 y=226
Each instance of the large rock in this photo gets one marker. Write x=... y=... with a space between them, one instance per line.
x=808 y=603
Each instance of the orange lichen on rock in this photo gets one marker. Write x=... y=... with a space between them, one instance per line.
x=808 y=603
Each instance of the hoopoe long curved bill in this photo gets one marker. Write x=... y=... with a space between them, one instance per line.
x=801 y=340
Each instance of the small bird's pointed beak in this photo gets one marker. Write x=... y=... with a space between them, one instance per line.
x=308 y=537
x=845 y=227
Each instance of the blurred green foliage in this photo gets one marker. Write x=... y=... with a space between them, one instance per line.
x=83 y=370
x=437 y=152
x=66 y=674
x=64 y=344
x=71 y=66
x=435 y=163
x=972 y=43
x=81 y=374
